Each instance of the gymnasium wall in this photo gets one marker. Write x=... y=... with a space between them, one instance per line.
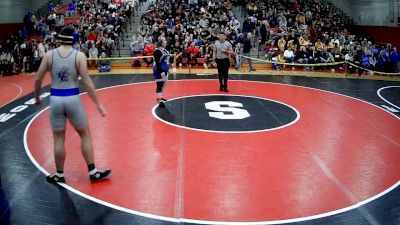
x=373 y=12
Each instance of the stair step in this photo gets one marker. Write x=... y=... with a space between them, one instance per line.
x=129 y=31
x=123 y=51
x=125 y=46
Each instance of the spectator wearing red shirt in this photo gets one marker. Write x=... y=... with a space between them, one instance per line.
x=271 y=50
x=148 y=51
x=92 y=37
x=296 y=5
x=193 y=52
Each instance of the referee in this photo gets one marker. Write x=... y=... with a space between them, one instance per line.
x=223 y=50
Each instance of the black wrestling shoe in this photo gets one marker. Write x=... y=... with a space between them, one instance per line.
x=226 y=89
x=161 y=104
x=164 y=99
x=54 y=179
x=99 y=175
x=221 y=88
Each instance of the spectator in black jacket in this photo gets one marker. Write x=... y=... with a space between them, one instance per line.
x=246 y=52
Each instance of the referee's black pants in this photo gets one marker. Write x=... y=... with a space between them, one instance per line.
x=223 y=68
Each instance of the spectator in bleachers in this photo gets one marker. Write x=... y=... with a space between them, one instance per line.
x=36 y=59
x=207 y=53
x=148 y=51
x=109 y=41
x=187 y=40
x=233 y=37
x=382 y=61
x=319 y=46
x=203 y=22
x=289 y=55
x=84 y=48
x=104 y=64
x=51 y=19
x=3 y=62
x=193 y=53
x=71 y=9
x=372 y=62
x=303 y=21
x=112 y=7
x=59 y=22
x=302 y=56
x=282 y=43
x=271 y=50
x=365 y=61
x=42 y=27
x=25 y=51
x=205 y=35
x=24 y=32
x=280 y=58
x=137 y=47
x=292 y=43
x=147 y=38
x=97 y=21
x=282 y=24
x=246 y=52
x=92 y=36
x=234 y=25
x=304 y=41
x=93 y=54
x=28 y=22
x=9 y=67
x=77 y=46
x=50 y=7
x=328 y=57
x=338 y=53
x=395 y=60
x=264 y=32
x=246 y=27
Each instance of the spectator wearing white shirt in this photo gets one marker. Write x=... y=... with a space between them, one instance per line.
x=59 y=22
x=204 y=21
x=147 y=38
x=93 y=54
x=335 y=40
x=282 y=23
x=234 y=25
x=112 y=7
x=289 y=55
x=36 y=59
x=41 y=50
x=137 y=47
x=135 y=36
x=3 y=56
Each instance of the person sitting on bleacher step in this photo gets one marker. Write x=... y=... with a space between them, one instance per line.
x=193 y=53
x=104 y=64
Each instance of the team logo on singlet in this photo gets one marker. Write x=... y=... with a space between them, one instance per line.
x=64 y=74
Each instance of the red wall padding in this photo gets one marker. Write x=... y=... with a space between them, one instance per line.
x=382 y=34
x=7 y=29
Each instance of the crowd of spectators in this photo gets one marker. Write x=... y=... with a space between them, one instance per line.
x=307 y=31
x=98 y=24
x=190 y=26
x=292 y=31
